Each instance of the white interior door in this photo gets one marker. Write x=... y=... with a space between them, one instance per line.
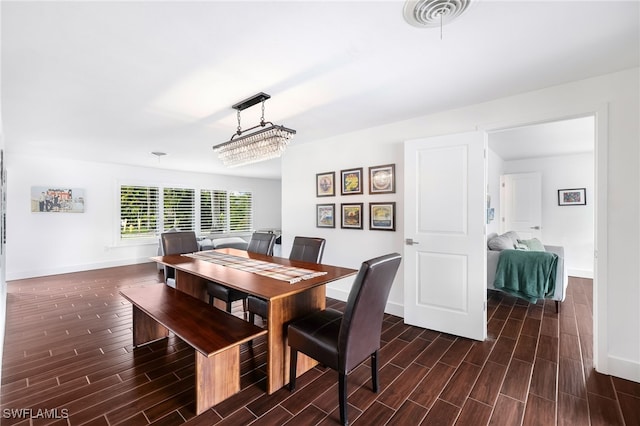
x=521 y=204
x=445 y=250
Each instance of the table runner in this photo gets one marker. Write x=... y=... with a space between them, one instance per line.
x=290 y=274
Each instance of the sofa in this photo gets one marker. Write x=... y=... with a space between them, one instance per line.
x=510 y=241
x=218 y=243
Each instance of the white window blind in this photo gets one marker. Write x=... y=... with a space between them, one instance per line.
x=213 y=211
x=240 y=211
x=139 y=211
x=146 y=211
x=225 y=211
x=179 y=209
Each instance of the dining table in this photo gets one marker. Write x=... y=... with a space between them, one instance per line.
x=291 y=288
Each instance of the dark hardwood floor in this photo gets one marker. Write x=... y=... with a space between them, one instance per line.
x=68 y=354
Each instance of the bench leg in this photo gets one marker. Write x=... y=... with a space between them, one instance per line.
x=145 y=328
x=217 y=378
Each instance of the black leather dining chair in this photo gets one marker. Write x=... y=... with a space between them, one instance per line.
x=306 y=249
x=176 y=242
x=344 y=341
x=261 y=243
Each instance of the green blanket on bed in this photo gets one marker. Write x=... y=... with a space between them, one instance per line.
x=530 y=275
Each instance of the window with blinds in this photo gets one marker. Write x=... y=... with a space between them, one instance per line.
x=213 y=211
x=139 y=211
x=178 y=209
x=240 y=211
x=146 y=211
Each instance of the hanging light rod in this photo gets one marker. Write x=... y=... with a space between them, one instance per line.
x=249 y=102
x=263 y=144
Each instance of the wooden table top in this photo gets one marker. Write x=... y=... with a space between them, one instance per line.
x=207 y=329
x=248 y=282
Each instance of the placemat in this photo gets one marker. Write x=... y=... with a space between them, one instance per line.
x=289 y=274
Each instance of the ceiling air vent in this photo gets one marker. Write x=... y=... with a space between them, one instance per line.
x=433 y=13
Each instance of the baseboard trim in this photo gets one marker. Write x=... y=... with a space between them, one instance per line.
x=20 y=275
x=392 y=308
x=624 y=368
x=580 y=273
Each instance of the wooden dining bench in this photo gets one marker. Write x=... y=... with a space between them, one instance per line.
x=215 y=335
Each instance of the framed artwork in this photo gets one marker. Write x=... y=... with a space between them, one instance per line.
x=351 y=215
x=45 y=199
x=351 y=181
x=572 y=197
x=382 y=179
x=382 y=216
x=325 y=184
x=325 y=214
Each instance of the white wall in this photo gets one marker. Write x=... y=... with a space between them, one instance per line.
x=344 y=247
x=618 y=303
x=568 y=226
x=51 y=243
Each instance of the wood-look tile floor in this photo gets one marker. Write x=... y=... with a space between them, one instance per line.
x=68 y=354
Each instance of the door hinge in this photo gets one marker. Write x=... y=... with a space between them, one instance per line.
x=484 y=306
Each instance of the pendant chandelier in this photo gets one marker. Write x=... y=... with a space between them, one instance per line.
x=258 y=143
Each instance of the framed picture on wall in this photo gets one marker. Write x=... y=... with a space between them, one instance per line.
x=382 y=179
x=351 y=214
x=325 y=184
x=572 y=197
x=382 y=216
x=325 y=215
x=351 y=181
x=47 y=199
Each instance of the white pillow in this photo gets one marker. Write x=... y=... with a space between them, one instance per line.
x=501 y=242
x=513 y=236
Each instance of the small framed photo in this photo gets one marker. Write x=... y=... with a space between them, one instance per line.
x=325 y=214
x=351 y=181
x=351 y=215
x=382 y=216
x=382 y=179
x=325 y=184
x=572 y=197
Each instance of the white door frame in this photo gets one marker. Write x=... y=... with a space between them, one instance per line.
x=600 y=112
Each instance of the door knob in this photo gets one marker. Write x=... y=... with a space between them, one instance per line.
x=410 y=242
x=535 y=227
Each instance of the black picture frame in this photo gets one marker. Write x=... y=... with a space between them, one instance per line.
x=325 y=215
x=351 y=181
x=326 y=184
x=572 y=197
x=382 y=179
x=382 y=216
x=351 y=215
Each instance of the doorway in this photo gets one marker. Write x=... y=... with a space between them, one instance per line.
x=562 y=152
x=598 y=199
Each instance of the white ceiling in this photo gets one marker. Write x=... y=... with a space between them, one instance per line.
x=113 y=81
x=564 y=137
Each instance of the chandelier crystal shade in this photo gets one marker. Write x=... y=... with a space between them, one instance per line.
x=259 y=143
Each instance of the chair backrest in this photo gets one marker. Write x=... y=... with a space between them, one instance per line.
x=362 y=320
x=307 y=249
x=177 y=242
x=262 y=243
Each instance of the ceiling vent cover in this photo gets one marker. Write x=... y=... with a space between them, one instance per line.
x=433 y=13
